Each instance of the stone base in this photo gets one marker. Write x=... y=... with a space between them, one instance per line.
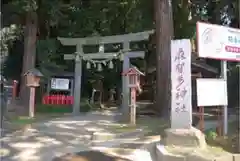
x=190 y=154
x=236 y=157
x=102 y=136
x=185 y=137
x=189 y=145
x=209 y=156
x=164 y=155
x=142 y=155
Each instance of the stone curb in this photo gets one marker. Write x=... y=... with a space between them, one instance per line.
x=236 y=157
x=146 y=151
x=105 y=135
x=115 y=139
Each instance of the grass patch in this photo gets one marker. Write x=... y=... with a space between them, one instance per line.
x=53 y=109
x=23 y=120
x=229 y=142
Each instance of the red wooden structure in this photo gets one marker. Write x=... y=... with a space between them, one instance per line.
x=58 y=99
x=14 y=89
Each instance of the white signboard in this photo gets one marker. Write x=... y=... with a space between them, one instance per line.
x=218 y=42
x=181 y=107
x=211 y=92
x=60 y=84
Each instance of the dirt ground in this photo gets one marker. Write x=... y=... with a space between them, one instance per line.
x=89 y=156
x=230 y=143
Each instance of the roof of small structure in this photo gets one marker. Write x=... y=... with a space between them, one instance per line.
x=34 y=72
x=133 y=70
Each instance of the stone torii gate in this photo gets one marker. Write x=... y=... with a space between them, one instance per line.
x=80 y=42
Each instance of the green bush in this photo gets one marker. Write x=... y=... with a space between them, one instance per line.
x=211 y=135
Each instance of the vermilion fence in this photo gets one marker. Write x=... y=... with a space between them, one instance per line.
x=58 y=100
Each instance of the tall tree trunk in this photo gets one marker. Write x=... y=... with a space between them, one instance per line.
x=29 y=58
x=164 y=34
x=238 y=8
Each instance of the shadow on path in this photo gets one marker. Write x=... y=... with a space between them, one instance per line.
x=89 y=156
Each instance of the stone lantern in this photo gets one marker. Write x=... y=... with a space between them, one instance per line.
x=32 y=80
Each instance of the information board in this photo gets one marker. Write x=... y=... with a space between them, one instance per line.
x=60 y=83
x=211 y=92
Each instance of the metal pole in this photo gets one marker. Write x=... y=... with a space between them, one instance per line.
x=3 y=106
x=225 y=113
x=238 y=111
x=77 y=81
x=1 y=111
x=238 y=114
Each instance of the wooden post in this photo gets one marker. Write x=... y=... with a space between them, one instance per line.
x=14 y=90
x=32 y=102
x=201 y=108
x=133 y=107
x=201 y=118
x=219 y=111
x=221 y=120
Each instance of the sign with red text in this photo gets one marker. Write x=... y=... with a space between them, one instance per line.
x=218 y=42
x=181 y=107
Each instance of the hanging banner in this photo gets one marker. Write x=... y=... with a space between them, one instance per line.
x=60 y=84
x=218 y=42
x=181 y=107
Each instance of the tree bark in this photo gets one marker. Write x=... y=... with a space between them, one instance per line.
x=29 y=58
x=164 y=34
x=238 y=13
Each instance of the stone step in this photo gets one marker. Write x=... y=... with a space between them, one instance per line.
x=189 y=145
x=136 y=149
x=189 y=154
